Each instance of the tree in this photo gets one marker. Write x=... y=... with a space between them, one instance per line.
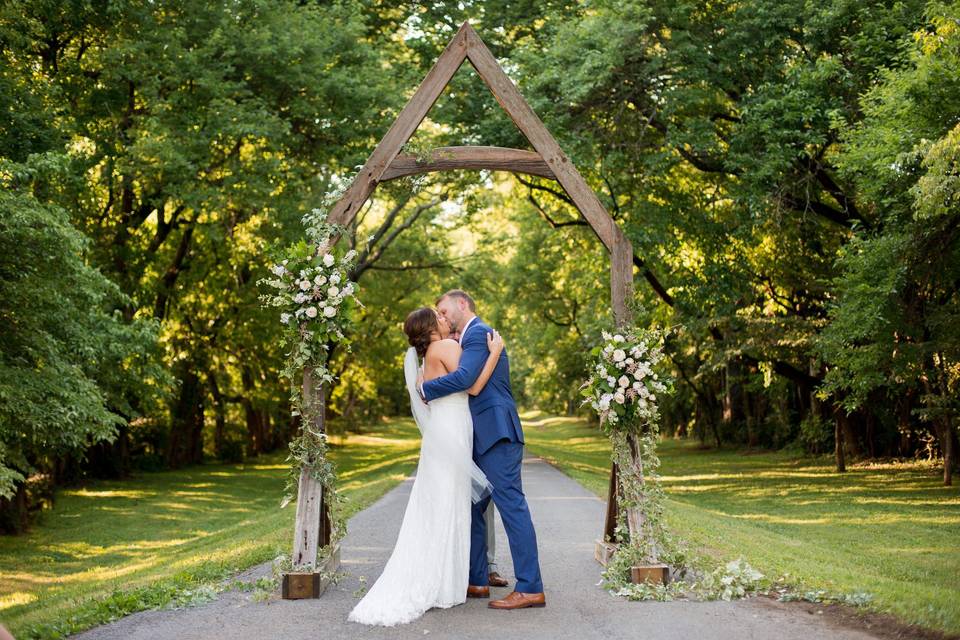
x=68 y=363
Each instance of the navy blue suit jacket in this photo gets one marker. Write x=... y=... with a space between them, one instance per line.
x=493 y=410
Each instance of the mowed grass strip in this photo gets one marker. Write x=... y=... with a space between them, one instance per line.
x=107 y=549
x=890 y=530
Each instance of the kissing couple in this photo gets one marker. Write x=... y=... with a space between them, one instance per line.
x=471 y=452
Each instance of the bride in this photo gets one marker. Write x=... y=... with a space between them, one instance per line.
x=429 y=566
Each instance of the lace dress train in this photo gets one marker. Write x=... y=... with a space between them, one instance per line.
x=429 y=565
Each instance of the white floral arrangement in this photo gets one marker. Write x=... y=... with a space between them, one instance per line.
x=313 y=291
x=623 y=384
x=624 y=388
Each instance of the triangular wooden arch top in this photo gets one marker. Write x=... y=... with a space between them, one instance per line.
x=386 y=163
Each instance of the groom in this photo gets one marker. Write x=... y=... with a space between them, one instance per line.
x=497 y=450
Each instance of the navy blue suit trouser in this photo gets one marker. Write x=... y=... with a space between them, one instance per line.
x=501 y=464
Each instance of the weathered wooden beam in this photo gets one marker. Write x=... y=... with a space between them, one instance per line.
x=509 y=97
x=621 y=277
x=308 y=529
x=610 y=522
x=470 y=157
x=403 y=127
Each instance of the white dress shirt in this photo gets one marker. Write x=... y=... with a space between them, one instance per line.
x=464 y=332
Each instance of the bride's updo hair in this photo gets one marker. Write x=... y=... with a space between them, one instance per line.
x=418 y=326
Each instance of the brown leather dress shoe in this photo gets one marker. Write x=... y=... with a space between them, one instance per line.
x=478 y=592
x=517 y=600
x=496 y=580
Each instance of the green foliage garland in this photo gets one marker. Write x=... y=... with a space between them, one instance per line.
x=315 y=296
x=622 y=388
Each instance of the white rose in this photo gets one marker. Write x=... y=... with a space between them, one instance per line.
x=328 y=260
x=304 y=285
x=642 y=403
x=637 y=386
x=629 y=360
x=619 y=397
x=329 y=311
x=311 y=312
x=285 y=318
x=619 y=355
x=333 y=291
x=653 y=398
x=624 y=381
x=612 y=381
x=638 y=374
x=335 y=278
x=299 y=298
x=320 y=280
x=618 y=338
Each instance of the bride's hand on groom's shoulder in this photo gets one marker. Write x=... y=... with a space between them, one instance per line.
x=495 y=342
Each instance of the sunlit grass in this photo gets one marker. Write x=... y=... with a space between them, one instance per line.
x=886 y=529
x=890 y=530
x=180 y=528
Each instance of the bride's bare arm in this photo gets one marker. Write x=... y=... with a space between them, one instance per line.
x=495 y=345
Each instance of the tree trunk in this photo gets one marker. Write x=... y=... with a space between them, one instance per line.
x=220 y=412
x=251 y=415
x=15 y=512
x=185 y=445
x=948 y=453
x=839 y=419
x=851 y=443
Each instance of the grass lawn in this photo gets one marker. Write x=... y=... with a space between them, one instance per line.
x=890 y=530
x=110 y=548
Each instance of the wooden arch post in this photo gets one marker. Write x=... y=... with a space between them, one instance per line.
x=548 y=160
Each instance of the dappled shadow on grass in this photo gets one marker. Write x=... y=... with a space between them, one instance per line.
x=779 y=489
x=885 y=528
x=117 y=534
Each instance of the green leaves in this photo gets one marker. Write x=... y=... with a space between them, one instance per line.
x=67 y=363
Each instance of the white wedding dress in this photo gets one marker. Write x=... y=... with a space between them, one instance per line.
x=430 y=563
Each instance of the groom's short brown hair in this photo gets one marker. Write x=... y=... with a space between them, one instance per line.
x=459 y=293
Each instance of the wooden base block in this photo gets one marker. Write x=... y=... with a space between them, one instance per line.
x=603 y=551
x=298 y=585
x=654 y=574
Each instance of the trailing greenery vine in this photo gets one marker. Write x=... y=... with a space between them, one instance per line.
x=315 y=297
x=623 y=389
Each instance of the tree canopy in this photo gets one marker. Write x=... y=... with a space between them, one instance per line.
x=786 y=171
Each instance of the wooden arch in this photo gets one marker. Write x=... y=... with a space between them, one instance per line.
x=387 y=163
